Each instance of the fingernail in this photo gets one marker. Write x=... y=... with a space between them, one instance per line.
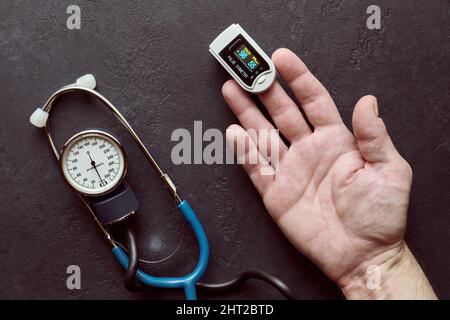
x=375 y=106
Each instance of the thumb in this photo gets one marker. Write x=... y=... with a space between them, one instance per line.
x=371 y=135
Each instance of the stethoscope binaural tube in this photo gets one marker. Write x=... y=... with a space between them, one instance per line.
x=188 y=282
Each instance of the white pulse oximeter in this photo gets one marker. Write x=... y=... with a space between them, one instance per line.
x=244 y=60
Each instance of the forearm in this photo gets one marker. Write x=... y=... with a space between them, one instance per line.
x=392 y=276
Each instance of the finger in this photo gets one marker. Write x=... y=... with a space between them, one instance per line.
x=251 y=117
x=371 y=135
x=261 y=173
x=285 y=113
x=314 y=98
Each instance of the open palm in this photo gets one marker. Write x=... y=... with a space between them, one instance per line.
x=340 y=198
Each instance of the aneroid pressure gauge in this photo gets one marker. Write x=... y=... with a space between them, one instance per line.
x=246 y=62
x=93 y=162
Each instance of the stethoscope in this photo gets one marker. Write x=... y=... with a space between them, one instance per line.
x=87 y=84
x=104 y=211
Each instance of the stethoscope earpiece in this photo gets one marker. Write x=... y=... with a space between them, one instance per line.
x=39 y=117
x=87 y=81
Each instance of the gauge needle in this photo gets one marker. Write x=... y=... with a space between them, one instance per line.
x=93 y=165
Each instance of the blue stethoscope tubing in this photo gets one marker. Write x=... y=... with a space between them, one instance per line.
x=187 y=282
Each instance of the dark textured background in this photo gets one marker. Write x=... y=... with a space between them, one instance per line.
x=151 y=59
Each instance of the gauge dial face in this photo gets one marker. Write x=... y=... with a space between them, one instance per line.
x=93 y=162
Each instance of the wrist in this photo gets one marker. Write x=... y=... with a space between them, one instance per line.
x=392 y=274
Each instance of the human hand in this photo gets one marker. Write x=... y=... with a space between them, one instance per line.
x=340 y=198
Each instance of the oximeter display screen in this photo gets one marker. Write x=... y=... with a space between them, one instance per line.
x=244 y=60
x=246 y=57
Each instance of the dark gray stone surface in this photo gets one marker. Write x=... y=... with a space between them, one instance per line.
x=151 y=59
